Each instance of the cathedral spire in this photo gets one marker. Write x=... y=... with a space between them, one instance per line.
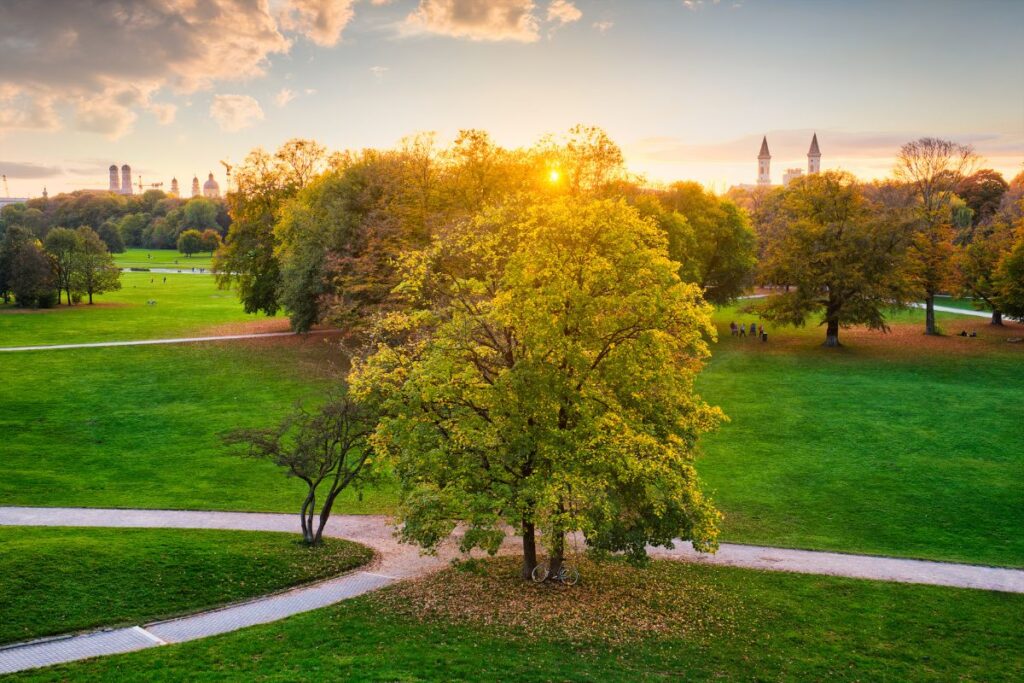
x=764 y=160
x=813 y=156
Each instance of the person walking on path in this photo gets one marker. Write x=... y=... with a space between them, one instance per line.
x=743 y=329
x=732 y=328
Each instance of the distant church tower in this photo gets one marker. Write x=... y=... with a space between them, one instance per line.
x=126 y=179
x=813 y=157
x=764 y=161
x=174 y=187
x=115 y=182
x=195 y=186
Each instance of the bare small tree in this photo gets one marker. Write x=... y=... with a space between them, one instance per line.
x=326 y=445
x=934 y=168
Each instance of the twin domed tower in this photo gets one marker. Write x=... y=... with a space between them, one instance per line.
x=764 y=160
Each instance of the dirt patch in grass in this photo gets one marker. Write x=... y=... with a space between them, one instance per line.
x=613 y=602
x=261 y=326
x=903 y=340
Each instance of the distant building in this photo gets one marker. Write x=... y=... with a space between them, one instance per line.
x=211 y=190
x=195 y=186
x=792 y=174
x=7 y=201
x=126 y=179
x=115 y=181
x=764 y=162
x=174 y=187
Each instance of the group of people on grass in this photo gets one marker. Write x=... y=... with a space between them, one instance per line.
x=741 y=330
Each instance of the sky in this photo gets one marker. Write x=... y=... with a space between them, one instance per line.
x=686 y=88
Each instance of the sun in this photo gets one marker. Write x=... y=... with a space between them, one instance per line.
x=554 y=176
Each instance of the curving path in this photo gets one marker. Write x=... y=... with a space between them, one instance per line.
x=397 y=561
x=149 y=342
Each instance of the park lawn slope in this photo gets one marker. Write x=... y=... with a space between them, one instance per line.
x=137 y=257
x=893 y=445
x=140 y=427
x=57 y=580
x=736 y=624
x=183 y=305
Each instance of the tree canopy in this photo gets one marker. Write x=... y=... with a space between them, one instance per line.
x=543 y=379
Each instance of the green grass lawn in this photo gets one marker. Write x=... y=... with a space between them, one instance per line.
x=907 y=451
x=185 y=305
x=162 y=258
x=140 y=426
x=966 y=304
x=740 y=625
x=57 y=580
x=892 y=445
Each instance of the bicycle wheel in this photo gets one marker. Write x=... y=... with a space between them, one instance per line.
x=540 y=572
x=570 y=576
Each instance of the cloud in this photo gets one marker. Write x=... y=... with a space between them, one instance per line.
x=87 y=56
x=480 y=20
x=379 y=71
x=319 y=20
x=285 y=96
x=164 y=112
x=235 y=112
x=563 y=12
x=18 y=111
x=603 y=26
x=28 y=171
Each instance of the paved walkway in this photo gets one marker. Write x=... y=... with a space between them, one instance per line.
x=148 y=342
x=958 y=311
x=396 y=561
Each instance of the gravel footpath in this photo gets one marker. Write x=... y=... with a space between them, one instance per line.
x=396 y=561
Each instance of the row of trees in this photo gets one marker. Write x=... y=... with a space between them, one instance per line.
x=319 y=236
x=68 y=263
x=192 y=241
x=845 y=253
x=152 y=219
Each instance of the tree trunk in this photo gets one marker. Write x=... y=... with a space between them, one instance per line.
x=557 y=555
x=997 y=318
x=529 y=550
x=306 y=516
x=90 y=297
x=929 y=315
x=832 y=333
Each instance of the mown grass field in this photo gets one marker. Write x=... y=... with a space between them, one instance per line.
x=736 y=624
x=162 y=258
x=57 y=580
x=184 y=305
x=894 y=444
x=141 y=426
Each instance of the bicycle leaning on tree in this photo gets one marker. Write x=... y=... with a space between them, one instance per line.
x=567 y=574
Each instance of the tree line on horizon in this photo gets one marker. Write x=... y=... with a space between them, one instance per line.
x=68 y=263
x=152 y=219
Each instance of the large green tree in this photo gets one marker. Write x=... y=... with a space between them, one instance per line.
x=839 y=259
x=263 y=183
x=934 y=169
x=542 y=379
x=93 y=268
x=62 y=244
x=721 y=253
x=13 y=238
